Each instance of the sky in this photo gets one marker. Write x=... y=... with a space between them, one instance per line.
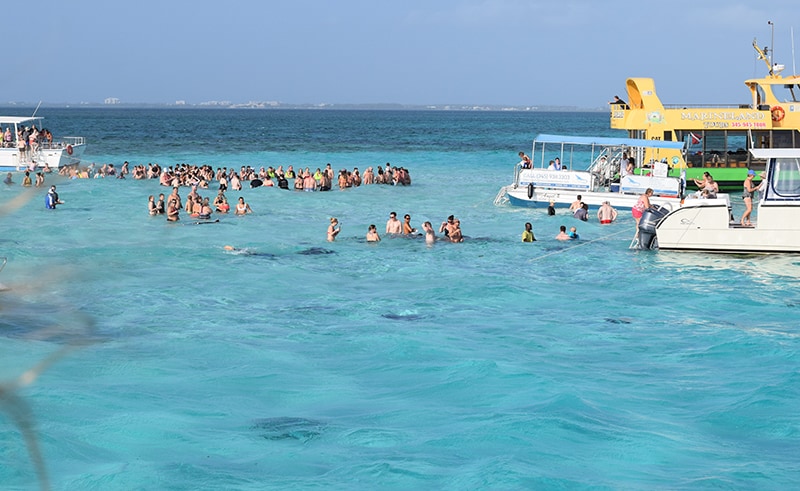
x=417 y=52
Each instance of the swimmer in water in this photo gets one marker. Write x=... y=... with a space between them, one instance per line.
x=372 y=234
x=430 y=234
x=333 y=229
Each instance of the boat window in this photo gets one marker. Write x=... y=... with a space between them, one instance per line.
x=786 y=92
x=785 y=178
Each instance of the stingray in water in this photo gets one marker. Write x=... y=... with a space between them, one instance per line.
x=315 y=251
x=287 y=428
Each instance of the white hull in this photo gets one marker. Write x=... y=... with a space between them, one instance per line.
x=47 y=150
x=607 y=178
x=564 y=198
x=708 y=228
x=705 y=225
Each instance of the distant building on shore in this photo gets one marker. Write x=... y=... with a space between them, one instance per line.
x=111 y=100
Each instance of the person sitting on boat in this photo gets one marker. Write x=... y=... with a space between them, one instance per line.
x=557 y=163
x=552 y=165
x=525 y=161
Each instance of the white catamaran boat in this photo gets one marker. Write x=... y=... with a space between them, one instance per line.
x=21 y=153
x=706 y=225
x=540 y=185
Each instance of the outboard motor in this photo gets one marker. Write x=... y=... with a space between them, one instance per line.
x=647 y=225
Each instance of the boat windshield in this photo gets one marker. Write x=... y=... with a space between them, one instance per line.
x=785 y=178
x=786 y=92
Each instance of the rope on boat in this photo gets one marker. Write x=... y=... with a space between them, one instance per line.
x=582 y=243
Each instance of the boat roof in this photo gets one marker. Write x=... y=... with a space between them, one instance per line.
x=776 y=153
x=607 y=141
x=18 y=119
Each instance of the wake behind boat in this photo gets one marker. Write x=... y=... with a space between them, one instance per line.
x=27 y=145
x=614 y=173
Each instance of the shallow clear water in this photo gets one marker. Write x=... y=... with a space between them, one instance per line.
x=490 y=364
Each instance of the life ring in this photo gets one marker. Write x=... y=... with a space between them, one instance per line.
x=530 y=190
x=69 y=149
x=777 y=113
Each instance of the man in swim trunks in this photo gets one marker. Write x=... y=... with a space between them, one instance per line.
x=606 y=214
x=393 y=225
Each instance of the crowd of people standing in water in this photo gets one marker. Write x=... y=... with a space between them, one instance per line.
x=203 y=176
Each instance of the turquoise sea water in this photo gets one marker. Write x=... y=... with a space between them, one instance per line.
x=490 y=364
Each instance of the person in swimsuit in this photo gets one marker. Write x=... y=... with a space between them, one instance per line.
x=525 y=161
x=173 y=210
x=430 y=235
x=749 y=191
x=151 y=205
x=393 y=225
x=407 y=229
x=333 y=229
x=242 y=208
x=372 y=234
x=642 y=204
x=606 y=214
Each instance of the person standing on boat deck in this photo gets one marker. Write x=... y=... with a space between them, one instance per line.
x=552 y=165
x=618 y=101
x=393 y=225
x=525 y=160
x=557 y=163
x=606 y=214
x=527 y=235
x=638 y=209
x=749 y=192
x=623 y=165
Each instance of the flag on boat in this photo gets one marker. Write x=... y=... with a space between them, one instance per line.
x=695 y=139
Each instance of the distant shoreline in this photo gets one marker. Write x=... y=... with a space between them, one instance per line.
x=280 y=106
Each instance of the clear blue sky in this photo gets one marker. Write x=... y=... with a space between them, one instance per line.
x=510 y=52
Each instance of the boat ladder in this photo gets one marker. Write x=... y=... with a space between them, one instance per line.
x=502 y=197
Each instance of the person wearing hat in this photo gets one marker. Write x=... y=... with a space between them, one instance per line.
x=51 y=200
x=749 y=191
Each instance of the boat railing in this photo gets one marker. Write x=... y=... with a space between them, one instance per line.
x=64 y=142
x=706 y=106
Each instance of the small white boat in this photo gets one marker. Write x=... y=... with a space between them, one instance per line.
x=44 y=151
x=601 y=157
x=707 y=225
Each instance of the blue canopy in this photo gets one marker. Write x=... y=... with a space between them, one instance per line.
x=607 y=141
